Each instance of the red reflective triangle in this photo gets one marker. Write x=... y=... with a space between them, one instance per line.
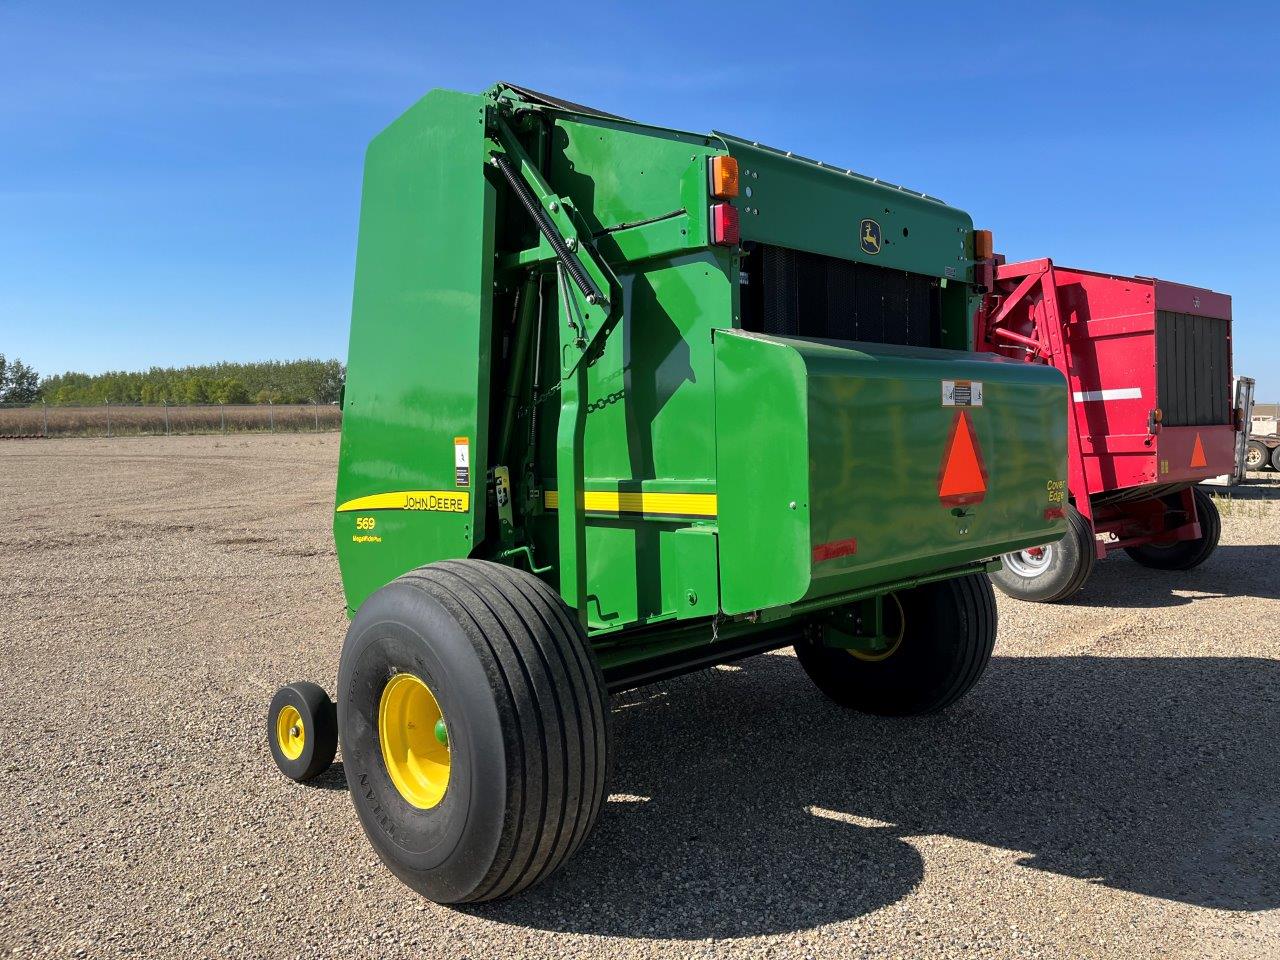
x=1197 y=454
x=963 y=476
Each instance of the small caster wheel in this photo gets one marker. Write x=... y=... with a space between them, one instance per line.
x=302 y=728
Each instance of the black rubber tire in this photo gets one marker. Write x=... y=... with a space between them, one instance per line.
x=1071 y=563
x=320 y=723
x=949 y=633
x=1264 y=455
x=1184 y=554
x=1275 y=458
x=527 y=713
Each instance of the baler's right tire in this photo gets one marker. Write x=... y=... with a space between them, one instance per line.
x=1057 y=572
x=1275 y=458
x=474 y=723
x=947 y=632
x=1257 y=456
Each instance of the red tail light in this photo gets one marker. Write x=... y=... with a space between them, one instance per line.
x=724 y=224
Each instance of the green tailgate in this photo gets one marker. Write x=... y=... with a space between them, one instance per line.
x=417 y=395
x=831 y=460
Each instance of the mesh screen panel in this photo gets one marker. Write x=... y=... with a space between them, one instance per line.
x=792 y=293
x=1193 y=365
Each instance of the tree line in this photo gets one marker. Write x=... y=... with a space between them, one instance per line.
x=18 y=382
x=268 y=381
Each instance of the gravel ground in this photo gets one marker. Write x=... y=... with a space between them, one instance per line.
x=1108 y=790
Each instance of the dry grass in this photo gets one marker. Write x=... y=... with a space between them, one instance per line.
x=159 y=421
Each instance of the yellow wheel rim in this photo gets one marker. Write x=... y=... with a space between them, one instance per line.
x=895 y=641
x=291 y=735
x=414 y=741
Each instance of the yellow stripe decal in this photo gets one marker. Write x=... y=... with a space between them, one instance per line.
x=440 y=501
x=616 y=501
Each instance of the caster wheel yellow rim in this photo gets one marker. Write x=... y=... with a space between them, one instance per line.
x=291 y=734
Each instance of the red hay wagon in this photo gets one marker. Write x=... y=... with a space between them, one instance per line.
x=1149 y=365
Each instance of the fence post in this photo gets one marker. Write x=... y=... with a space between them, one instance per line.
x=166 y=418
x=44 y=408
x=223 y=407
x=271 y=412
x=315 y=408
x=108 y=404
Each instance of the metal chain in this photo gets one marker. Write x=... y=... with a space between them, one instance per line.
x=597 y=405
x=539 y=399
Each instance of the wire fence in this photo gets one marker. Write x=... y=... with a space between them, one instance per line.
x=31 y=420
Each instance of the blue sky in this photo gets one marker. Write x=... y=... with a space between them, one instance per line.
x=180 y=182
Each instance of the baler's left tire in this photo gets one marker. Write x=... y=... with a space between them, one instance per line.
x=1184 y=554
x=474 y=723
x=302 y=729
x=947 y=634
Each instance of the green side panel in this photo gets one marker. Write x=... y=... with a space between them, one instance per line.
x=762 y=423
x=694 y=589
x=650 y=430
x=856 y=435
x=804 y=205
x=641 y=191
x=650 y=394
x=418 y=362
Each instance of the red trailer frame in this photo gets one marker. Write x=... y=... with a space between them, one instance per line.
x=1149 y=367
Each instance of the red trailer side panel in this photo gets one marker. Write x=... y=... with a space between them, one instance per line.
x=1149 y=364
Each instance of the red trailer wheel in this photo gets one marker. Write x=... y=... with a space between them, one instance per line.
x=1184 y=554
x=1275 y=458
x=1054 y=571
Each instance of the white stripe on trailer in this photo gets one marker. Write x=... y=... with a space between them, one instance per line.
x=1123 y=393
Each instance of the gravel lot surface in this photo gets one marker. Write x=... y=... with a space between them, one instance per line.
x=1108 y=790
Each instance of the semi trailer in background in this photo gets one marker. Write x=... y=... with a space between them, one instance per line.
x=1242 y=389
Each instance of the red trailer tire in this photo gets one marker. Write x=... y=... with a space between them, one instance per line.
x=1184 y=554
x=1275 y=457
x=1057 y=572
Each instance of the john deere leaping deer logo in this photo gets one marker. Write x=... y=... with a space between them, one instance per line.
x=869 y=238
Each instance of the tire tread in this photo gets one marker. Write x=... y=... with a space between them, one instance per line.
x=551 y=699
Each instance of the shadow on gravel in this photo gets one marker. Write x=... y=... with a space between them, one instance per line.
x=1232 y=571
x=335 y=778
x=1154 y=776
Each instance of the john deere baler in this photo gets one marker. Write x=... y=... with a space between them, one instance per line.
x=623 y=402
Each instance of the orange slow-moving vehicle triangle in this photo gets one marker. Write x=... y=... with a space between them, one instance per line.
x=1197 y=454
x=962 y=477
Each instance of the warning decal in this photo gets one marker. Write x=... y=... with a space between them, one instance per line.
x=962 y=478
x=1197 y=454
x=462 y=461
x=962 y=393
